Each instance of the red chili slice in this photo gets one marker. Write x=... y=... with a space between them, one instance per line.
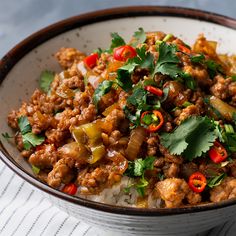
x=91 y=60
x=197 y=182
x=154 y=90
x=153 y=127
x=184 y=49
x=123 y=53
x=70 y=189
x=217 y=153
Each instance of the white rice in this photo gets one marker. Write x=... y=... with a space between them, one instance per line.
x=116 y=195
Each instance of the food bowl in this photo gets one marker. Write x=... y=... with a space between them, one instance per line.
x=19 y=74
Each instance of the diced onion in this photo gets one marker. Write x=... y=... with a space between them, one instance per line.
x=137 y=137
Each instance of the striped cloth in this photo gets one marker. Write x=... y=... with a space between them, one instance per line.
x=24 y=212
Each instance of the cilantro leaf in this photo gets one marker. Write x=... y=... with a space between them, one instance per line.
x=6 y=136
x=138 y=97
x=193 y=137
x=116 y=41
x=30 y=139
x=139 y=166
x=102 y=89
x=215 y=181
x=167 y=61
x=233 y=77
x=146 y=59
x=213 y=68
x=167 y=54
x=139 y=37
x=168 y=69
x=124 y=79
x=189 y=81
x=197 y=59
x=24 y=124
x=45 y=81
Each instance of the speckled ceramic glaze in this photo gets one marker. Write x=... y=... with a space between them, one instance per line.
x=19 y=73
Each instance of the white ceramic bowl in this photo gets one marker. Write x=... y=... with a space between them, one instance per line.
x=19 y=73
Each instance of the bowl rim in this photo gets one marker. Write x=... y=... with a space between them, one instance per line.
x=21 y=49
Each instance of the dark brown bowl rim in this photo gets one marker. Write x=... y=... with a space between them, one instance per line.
x=21 y=49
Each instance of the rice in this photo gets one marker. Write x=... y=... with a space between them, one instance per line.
x=117 y=195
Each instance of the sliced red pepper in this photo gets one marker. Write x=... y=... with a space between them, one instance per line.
x=154 y=90
x=217 y=153
x=91 y=60
x=153 y=127
x=123 y=53
x=197 y=182
x=184 y=49
x=70 y=189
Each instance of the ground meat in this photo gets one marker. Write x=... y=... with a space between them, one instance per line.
x=152 y=37
x=101 y=63
x=187 y=169
x=113 y=121
x=232 y=93
x=67 y=56
x=171 y=170
x=114 y=137
x=200 y=74
x=56 y=136
x=91 y=179
x=232 y=168
x=152 y=145
x=220 y=88
x=172 y=191
x=45 y=157
x=193 y=198
x=12 y=119
x=19 y=141
x=62 y=172
x=26 y=153
x=75 y=82
x=211 y=169
x=42 y=102
x=169 y=157
x=187 y=112
x=159 y=162
x=226 y=190
x=40 y=122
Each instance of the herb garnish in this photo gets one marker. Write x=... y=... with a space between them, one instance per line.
x=139 y=37
x=29 y=139
x=193 y=137
x=45 y=81
x=116 y=41
x=6 y=136
x=137 y=168
x=102 y=89
x=215 y=181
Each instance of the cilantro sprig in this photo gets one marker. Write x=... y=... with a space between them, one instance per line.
x=29 y=139
x=137 y=168
x=193 y=137
x=139 y=37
